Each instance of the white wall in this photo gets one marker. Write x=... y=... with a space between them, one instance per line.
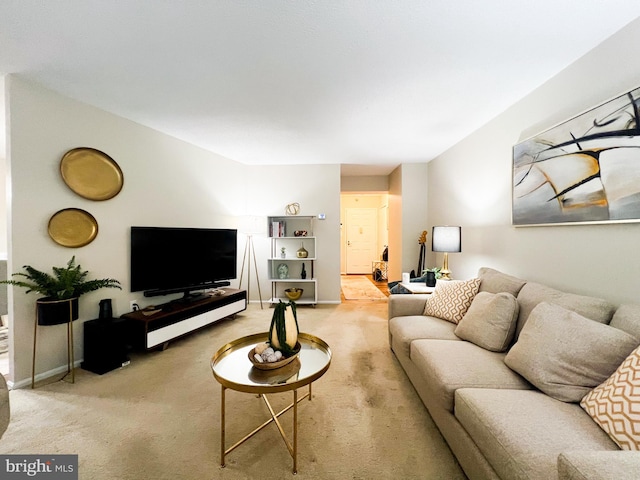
x=167 y=183
x=414 y=213
x=3 y=172
x=407 y=217
x=317 y=189
x=365 y=183
x=470 y=185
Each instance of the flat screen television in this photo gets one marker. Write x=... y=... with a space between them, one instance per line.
x=168 y=260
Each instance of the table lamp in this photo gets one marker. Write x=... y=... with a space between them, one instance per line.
x=448 y=240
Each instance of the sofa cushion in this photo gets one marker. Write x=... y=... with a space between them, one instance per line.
x=565 y=354
x=404 y=330
x=627 y=318
x=533 y=293
x=605 y=465
x=450 y=300
x=615 y=404
x=493 y=281
x=490 y=321
x=447 y=365
x=522 y=432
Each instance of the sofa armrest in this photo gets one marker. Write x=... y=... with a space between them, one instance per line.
x=602 y=465
x=403 y=305
x=4 y=405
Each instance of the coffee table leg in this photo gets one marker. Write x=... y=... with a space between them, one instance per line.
x=295 y=431
x=222 y=426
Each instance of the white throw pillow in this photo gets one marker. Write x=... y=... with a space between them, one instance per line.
x=451 y=299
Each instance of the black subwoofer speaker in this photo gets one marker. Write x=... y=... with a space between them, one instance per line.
x=105 y=345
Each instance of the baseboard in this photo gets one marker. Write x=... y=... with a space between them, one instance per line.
x=42 y=376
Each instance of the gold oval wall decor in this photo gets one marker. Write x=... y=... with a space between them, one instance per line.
x=72 y=227
x=92 y=174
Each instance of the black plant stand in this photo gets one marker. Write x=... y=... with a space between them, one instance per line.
x=70 y=356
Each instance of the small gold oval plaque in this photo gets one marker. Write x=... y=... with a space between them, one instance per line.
x=91 y=173
x=73 y=227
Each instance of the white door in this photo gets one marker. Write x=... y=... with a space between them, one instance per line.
x=361 y=239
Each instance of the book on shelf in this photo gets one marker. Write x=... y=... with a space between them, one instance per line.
x=277 y=229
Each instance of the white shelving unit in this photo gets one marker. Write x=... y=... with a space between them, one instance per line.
x=282 y=235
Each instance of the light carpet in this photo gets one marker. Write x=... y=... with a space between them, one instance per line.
x=158 y=418
x=358 y=287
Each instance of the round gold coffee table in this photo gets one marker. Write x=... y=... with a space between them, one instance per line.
x=232 y=369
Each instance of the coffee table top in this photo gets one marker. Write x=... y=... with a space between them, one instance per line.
x=417 y=287
x=232 y=369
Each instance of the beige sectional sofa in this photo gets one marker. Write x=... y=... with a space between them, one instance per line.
x=506 y=396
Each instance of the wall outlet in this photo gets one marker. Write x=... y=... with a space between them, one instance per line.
x=133 y=305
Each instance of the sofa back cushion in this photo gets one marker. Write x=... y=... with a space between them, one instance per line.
x=627 y=318
x=565 y=354
x=533 y=293
x=490 y=321
x=493 y=281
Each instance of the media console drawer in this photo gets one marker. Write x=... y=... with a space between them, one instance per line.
x=176 y=319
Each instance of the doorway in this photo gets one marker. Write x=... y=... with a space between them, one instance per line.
x=361 y=242
x=364 y=231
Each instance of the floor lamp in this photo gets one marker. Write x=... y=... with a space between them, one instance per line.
x=249 y=255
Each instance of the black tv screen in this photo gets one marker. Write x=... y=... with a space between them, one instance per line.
x=170 y=260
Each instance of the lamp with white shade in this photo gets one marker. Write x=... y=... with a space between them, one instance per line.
x=448 y=240
x=251 y=225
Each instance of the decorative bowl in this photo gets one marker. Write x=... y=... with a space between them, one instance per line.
x=293 y=293
x=285 y=374
x=274 y=365
x=300 y=233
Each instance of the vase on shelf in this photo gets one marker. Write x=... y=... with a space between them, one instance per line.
x=283 y=271
x=303 y=273
x=302 y=252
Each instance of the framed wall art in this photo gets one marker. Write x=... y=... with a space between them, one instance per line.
x=585 y=170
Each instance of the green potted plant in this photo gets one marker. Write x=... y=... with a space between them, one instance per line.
x=61 y=290
x=431 y=275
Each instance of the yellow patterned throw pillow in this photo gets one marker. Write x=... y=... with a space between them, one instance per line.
x=451 y=299
x=615 y=404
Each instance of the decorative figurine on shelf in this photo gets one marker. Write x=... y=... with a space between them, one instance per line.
x=283 y=271
x=292 y=209
x=283 y=252
x=303 y=274
x=302 y=252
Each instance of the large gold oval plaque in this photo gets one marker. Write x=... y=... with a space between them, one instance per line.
x=91 y=173
x=73 y=227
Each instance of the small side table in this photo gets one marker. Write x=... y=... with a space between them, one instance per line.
x=382 y=267
x=232 y=369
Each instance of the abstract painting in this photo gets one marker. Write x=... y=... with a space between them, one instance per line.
x=584 y=170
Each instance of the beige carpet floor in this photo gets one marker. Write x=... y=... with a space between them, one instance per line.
x=158 y=418
x=359 y=287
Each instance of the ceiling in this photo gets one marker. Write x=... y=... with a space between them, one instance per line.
x=367 y=84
